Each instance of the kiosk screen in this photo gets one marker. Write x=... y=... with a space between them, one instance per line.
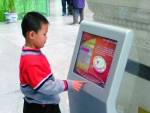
x=94 y=58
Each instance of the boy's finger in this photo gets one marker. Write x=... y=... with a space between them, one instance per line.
x=82 y=82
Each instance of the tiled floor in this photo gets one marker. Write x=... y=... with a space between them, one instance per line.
x=58 y=49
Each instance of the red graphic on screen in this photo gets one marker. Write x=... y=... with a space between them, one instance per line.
x=95 y=58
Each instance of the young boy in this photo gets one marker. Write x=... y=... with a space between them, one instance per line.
x=36 y=78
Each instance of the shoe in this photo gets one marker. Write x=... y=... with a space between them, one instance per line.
x=63 y=14
x=74 y=23
x=80 y=21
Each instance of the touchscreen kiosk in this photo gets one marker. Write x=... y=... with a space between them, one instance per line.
x=99 y=59
x=94 y=58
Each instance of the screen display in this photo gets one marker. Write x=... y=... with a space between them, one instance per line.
x=94 y=58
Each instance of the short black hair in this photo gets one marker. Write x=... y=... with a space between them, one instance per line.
x=32 y=22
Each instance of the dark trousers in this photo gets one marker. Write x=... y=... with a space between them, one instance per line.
x=38 y=108
x=76 y=13
x=65 y=3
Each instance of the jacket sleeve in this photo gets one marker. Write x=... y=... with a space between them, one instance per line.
x=51 y=87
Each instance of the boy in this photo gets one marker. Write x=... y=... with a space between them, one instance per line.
x=36 y=78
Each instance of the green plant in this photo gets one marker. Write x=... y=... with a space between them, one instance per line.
x=9 y=5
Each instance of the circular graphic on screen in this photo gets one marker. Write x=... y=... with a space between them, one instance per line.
x=99 y=64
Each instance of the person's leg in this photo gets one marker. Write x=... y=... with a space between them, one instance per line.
x=81 y=11
x=52 y=109
x=69 y=7
x=75 y=15
x=63 y=7
x=32 y=108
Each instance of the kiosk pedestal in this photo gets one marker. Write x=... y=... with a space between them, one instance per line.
x=99 y=58
x=85 y=103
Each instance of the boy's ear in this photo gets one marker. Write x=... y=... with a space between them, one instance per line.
x=31 y=34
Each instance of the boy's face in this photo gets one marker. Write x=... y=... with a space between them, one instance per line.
x=39 y=38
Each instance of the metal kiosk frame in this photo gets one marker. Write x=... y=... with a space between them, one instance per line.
x=93 y=98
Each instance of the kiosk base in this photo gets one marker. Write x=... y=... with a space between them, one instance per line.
x=82 y=102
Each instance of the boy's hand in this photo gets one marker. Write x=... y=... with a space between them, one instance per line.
x=77 y=85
